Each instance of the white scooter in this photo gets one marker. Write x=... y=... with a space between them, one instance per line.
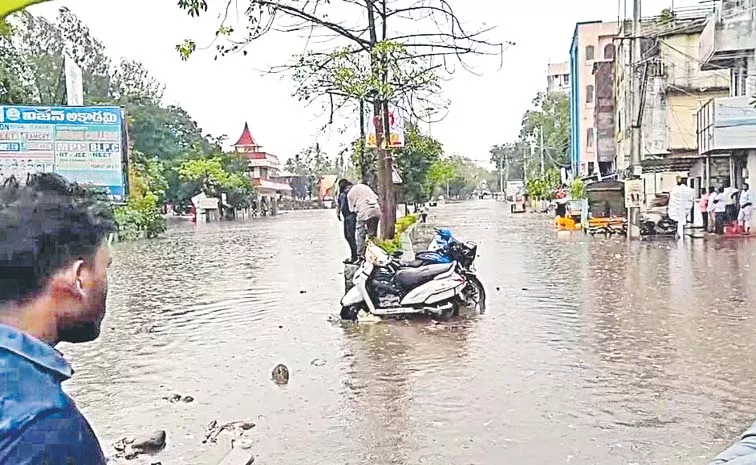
x=385 y=288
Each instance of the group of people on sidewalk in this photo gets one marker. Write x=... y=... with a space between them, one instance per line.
x=719 y=207
x=726 y=205
x=360 y=212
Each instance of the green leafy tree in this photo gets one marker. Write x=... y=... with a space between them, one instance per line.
x=43 y=44
x=511 y=158
x=544 y=187
x=141 y=216
x=14 y=72
x=414 y=162
x=131 y=83
x=217 y=175
x=550 y=114
x=441 y=172
x=375 y=61
x=309 y=165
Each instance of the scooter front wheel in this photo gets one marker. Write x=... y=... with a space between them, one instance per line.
x=350 y=312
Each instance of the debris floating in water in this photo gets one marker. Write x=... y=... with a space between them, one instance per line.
x=214 y=429
x=130 y=448
x=175 y=398
x=280 y=374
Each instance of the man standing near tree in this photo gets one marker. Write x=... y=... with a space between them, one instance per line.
x=363 y=202
x=349 y=218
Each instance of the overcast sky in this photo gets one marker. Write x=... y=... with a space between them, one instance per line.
x=221 y=95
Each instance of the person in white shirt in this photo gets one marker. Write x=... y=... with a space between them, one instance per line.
x=720 y=210
x=681 y=200
x=710 y=209
x=746 y=205
x=363 y=201
x=730 y=194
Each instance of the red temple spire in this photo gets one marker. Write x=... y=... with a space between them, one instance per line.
x=246 y=139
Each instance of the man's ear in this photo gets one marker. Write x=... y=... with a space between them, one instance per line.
x=69 y=280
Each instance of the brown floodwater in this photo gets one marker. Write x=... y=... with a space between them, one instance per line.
x=592 y=351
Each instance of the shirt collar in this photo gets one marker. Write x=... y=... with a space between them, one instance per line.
x=34 y=350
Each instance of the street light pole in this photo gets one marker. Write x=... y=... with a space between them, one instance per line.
x=635 y=120
x=540 y=135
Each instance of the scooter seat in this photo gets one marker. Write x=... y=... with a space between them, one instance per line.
x=412 y=263
x=412 y=277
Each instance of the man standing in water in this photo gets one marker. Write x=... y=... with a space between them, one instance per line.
x=363 y=202
x=720 y=211
x=350 y=219
x=746 y=206
x=681 y=200
x=53 y=285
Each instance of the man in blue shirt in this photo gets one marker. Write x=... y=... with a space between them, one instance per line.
x=350 y=219
x=53 y=286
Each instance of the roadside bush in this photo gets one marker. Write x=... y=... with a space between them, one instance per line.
x=394 y=245
x=577 y=189
x=140 y=218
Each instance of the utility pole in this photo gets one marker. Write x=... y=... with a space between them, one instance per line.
x=540 y=135
x=633 y=229
x=501 y=174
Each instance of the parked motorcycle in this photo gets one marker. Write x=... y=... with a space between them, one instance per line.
x=657 y=224
x=445 y=248
x=385 y=287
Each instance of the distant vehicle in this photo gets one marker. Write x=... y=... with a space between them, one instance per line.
x=518 y=203
x=514 y=188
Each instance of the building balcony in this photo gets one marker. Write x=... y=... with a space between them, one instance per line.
x=726 y=124
x=728 y=35
x=266 y=162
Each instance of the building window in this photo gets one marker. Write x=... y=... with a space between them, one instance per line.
x=588 y=94
x=609 y=52
x=589 y=137
x=589 y=52
x=738 y=78
x=566 y=79
x=591 y=166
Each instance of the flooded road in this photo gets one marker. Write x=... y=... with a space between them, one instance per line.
x=591 y=352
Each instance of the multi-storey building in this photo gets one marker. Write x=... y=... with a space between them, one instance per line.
x=726 y=125
x=592 y=42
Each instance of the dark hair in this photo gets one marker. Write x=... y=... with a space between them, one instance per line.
x=712 y=189
x=45 y=225
x=344 y=183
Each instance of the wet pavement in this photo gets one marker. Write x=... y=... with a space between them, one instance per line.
x=592 y=351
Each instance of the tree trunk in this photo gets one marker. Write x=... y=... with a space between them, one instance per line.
x=385 y=196
x=389 y=211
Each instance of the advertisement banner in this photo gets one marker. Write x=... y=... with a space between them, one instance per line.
x=82 y=144
x=634 y=193
x=396 y=126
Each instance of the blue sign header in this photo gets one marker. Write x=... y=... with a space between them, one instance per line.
x=82 y=144
x=61 y=115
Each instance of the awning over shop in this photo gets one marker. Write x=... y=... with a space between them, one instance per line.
x=667 y=165
x=606 y=185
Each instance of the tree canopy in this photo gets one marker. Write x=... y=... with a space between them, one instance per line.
x=165 y=140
